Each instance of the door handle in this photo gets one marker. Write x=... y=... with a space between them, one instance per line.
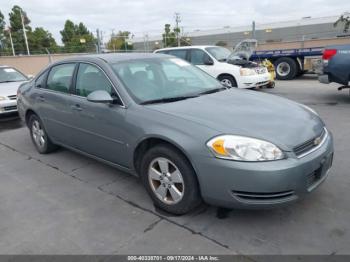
x=41 y=98
x=76 y=107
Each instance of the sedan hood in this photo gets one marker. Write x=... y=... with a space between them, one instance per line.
x=10 y=88
x=247 y=113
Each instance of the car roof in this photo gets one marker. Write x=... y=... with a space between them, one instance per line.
x=115 y=58
x=186 y=47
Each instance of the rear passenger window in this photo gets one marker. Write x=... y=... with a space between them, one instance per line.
x=60 y=78
x=178 y=53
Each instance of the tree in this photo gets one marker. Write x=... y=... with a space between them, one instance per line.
x=68 y=32
x=17 y=29
x=2 y=31
x=77 y=38
x=41 y=39
x=120 y=41
x=169 y=37
x=345 y=20
x=38 y=40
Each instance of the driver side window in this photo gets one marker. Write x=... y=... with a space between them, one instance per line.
x=198 y=57
x=90 y=79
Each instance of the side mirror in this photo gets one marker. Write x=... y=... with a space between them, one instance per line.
x=208 y=60
x=100 y=96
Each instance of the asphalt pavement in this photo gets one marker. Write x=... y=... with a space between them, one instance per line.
x=65 y=203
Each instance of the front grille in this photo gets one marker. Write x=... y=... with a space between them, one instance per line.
x=14 y=97
x=260 y=70
x=308 y=146
x=10 y=108
x=261 y=197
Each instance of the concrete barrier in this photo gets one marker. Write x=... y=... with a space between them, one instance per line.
x=33 y=64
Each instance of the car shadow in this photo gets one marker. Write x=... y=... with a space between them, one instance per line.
x=10 y=122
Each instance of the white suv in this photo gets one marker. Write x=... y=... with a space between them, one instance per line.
x=213 y=60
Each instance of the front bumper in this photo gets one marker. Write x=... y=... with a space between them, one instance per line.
x=254 y=81
x=234 y=184
x=324 y=79
x=8 y=107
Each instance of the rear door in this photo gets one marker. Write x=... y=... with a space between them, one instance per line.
x=52 y=96
x=99 y=127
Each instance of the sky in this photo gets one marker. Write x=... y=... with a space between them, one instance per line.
x=149 y=16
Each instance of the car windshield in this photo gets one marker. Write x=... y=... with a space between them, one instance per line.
x=161 y=80
x=9 y=74
x=220 y=53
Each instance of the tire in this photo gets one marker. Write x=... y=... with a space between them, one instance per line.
x=286 y=68
x=161 y=166
x=39 y=136
x=227 y=80
x=271 y=85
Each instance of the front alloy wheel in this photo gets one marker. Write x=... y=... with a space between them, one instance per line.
x=166 y=181
x=226 y=82
x=169 y=179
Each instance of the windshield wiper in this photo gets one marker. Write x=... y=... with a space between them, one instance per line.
x=211 y=91
x=222 y=60
x=167 y=99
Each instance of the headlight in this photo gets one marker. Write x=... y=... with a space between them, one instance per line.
x=247 y=72
x=244 y=148
x=309 y=109
x=3 y=98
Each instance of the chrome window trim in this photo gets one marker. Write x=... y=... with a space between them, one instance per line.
x=70 y=94
x=318 y=146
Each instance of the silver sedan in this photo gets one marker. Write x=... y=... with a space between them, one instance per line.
x=10 y=80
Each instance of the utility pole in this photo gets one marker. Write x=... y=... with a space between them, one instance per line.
x=98 y=49
x=253 y=30
x=177 y=21
x=145 y=42
x=13 y=50
x=24 y=32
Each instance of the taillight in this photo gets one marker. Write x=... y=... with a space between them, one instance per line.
x=328 y=54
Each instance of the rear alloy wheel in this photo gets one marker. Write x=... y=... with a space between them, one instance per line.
x=39 y=137
x=170 y=180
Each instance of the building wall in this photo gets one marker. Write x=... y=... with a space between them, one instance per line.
x=282 y=34
x=294 y=33
x=31 y=65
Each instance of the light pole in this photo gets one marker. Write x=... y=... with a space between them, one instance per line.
x=24 y=32
x=177 y=21
x=13 y=50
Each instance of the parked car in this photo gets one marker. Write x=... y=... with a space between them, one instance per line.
x=10 y=80
x=187 y=136
x=214 y=60
x=336 y=65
